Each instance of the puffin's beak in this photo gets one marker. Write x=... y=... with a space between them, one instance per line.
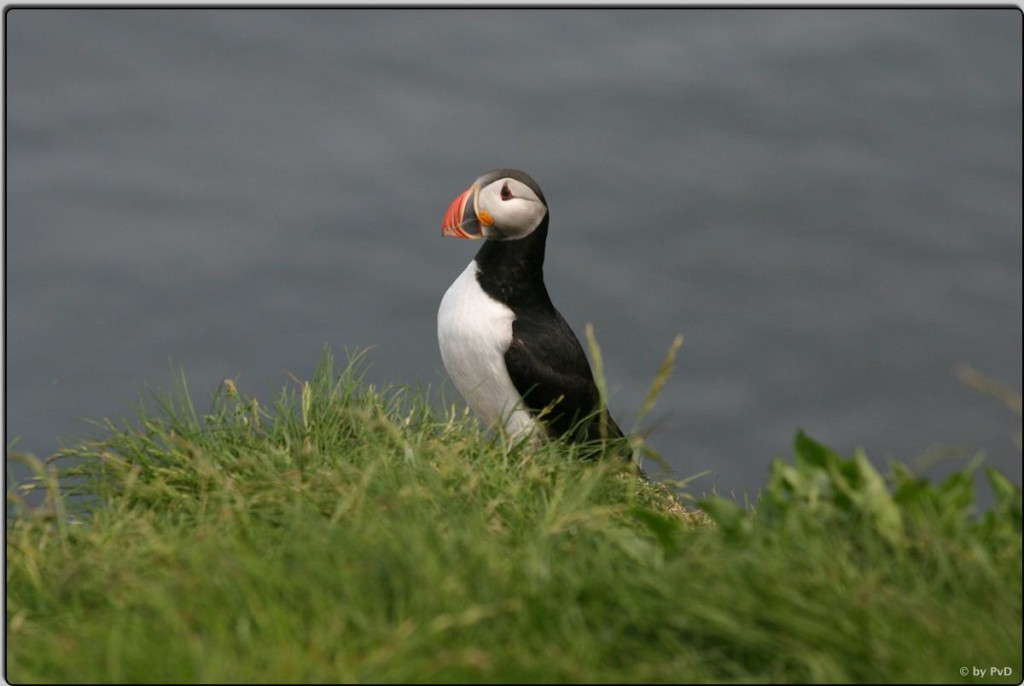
x=461 y=219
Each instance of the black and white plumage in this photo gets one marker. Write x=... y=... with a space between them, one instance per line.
x=510 y=353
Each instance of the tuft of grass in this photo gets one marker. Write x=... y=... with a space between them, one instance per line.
x=347 y=533
x=994 y=388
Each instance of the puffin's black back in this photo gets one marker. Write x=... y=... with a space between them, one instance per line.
x=545 y=359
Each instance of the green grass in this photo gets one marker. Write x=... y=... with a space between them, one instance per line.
x=345 y=533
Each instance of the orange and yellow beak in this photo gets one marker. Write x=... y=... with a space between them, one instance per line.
x=462 y=220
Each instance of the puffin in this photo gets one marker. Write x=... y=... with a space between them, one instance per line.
x=511 y=354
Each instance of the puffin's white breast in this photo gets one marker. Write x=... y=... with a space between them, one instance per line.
x=474 y=331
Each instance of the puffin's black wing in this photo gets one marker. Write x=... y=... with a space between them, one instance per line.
x=550 y=370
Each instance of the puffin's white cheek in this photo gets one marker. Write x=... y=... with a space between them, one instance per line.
x=519 y=218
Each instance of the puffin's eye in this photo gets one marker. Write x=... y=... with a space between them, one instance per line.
x=505 y=192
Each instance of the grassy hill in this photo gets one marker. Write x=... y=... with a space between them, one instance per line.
x=345 y=533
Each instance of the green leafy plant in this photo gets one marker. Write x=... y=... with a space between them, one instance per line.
x=343 y=532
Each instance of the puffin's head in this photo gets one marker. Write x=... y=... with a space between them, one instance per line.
x=504 y=204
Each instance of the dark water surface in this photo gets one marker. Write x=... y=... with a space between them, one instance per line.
x=827 y=204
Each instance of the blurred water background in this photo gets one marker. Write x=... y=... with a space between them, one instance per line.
x=825 y=203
